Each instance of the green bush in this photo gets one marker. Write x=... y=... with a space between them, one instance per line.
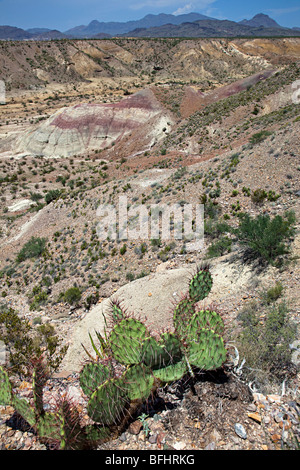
x=52 y=195
x=72 y=295
x=32 y=249
x=264 y=236
x=23 y=342
x=272 y=294
x=123 y=249
x=259 y=137
x=258 y=196
x=219 y=248
x=264 y=342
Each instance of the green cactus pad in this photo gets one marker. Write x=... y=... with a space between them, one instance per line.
x=171 y=345
x=183 y=313
x=208 y=319
x=200 y=285
x=116 y=311
x=92 y=376
x=49 y=427
x=126 y=341
x=152 y=352
x=108 y=402
x=24 y=409
x=208 y=353
x=96 y=433
x=138 y=381
x=171 y=373
x=5 y=388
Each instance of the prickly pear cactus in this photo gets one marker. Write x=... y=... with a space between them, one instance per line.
x=172 y=372
x=5 y=388
x=24 y=409
x=183 y=313
x=108 y=403
x=208 y=352
x=93 y=375
x=49 y=427
x=116 y=312
x=139 y=382
x=126 y=341
x=200 y=285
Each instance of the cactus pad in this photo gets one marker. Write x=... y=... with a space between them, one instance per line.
x=92 y=376
x=24 y=409
x=208 y=319
x=139 y=382
x=126 y=341
x=200 y=285
x=172 y=372
x=49 y=427
x=107 y=404
x=5 y=388
x=208 y=352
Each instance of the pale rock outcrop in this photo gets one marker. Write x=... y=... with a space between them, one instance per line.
x=85 y=127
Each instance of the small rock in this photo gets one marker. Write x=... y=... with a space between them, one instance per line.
x=274 y=398
x=255 y=416
x=179 y=445
x=152 y=438
x=275 y=437
x=278 y=417
x=123 y=437
x=210 y=446
x=259 y=397
x=267 y=419
x=251 y=407
x=142 y=437
x=135 y=427
x=240 y=431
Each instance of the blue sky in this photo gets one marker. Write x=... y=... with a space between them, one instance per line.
x=65 y=14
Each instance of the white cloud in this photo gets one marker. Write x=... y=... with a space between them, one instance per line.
x=182 y=10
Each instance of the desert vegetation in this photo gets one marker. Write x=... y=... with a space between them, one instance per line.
x=223 y=144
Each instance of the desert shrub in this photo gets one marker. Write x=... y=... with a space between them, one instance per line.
x=91 y=299
x=215 y=228
x=258 y=196
x=266 y=237
x=32 y=249
x=72 y=295
x=23 y=342
x=264 y=343
x=219 y=248
x=259 y=137
x=52 y=195
x=129 y=276
x=123 y=249
x=272 y=294
x=212 y=210
x=38 y=300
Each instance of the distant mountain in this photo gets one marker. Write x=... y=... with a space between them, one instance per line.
x=116 y=28
x=38 y=34
x=11 y=32
x=261 y=20
x=38 y=30
x=211 y=28
x=48 y=35
x=162 y=25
